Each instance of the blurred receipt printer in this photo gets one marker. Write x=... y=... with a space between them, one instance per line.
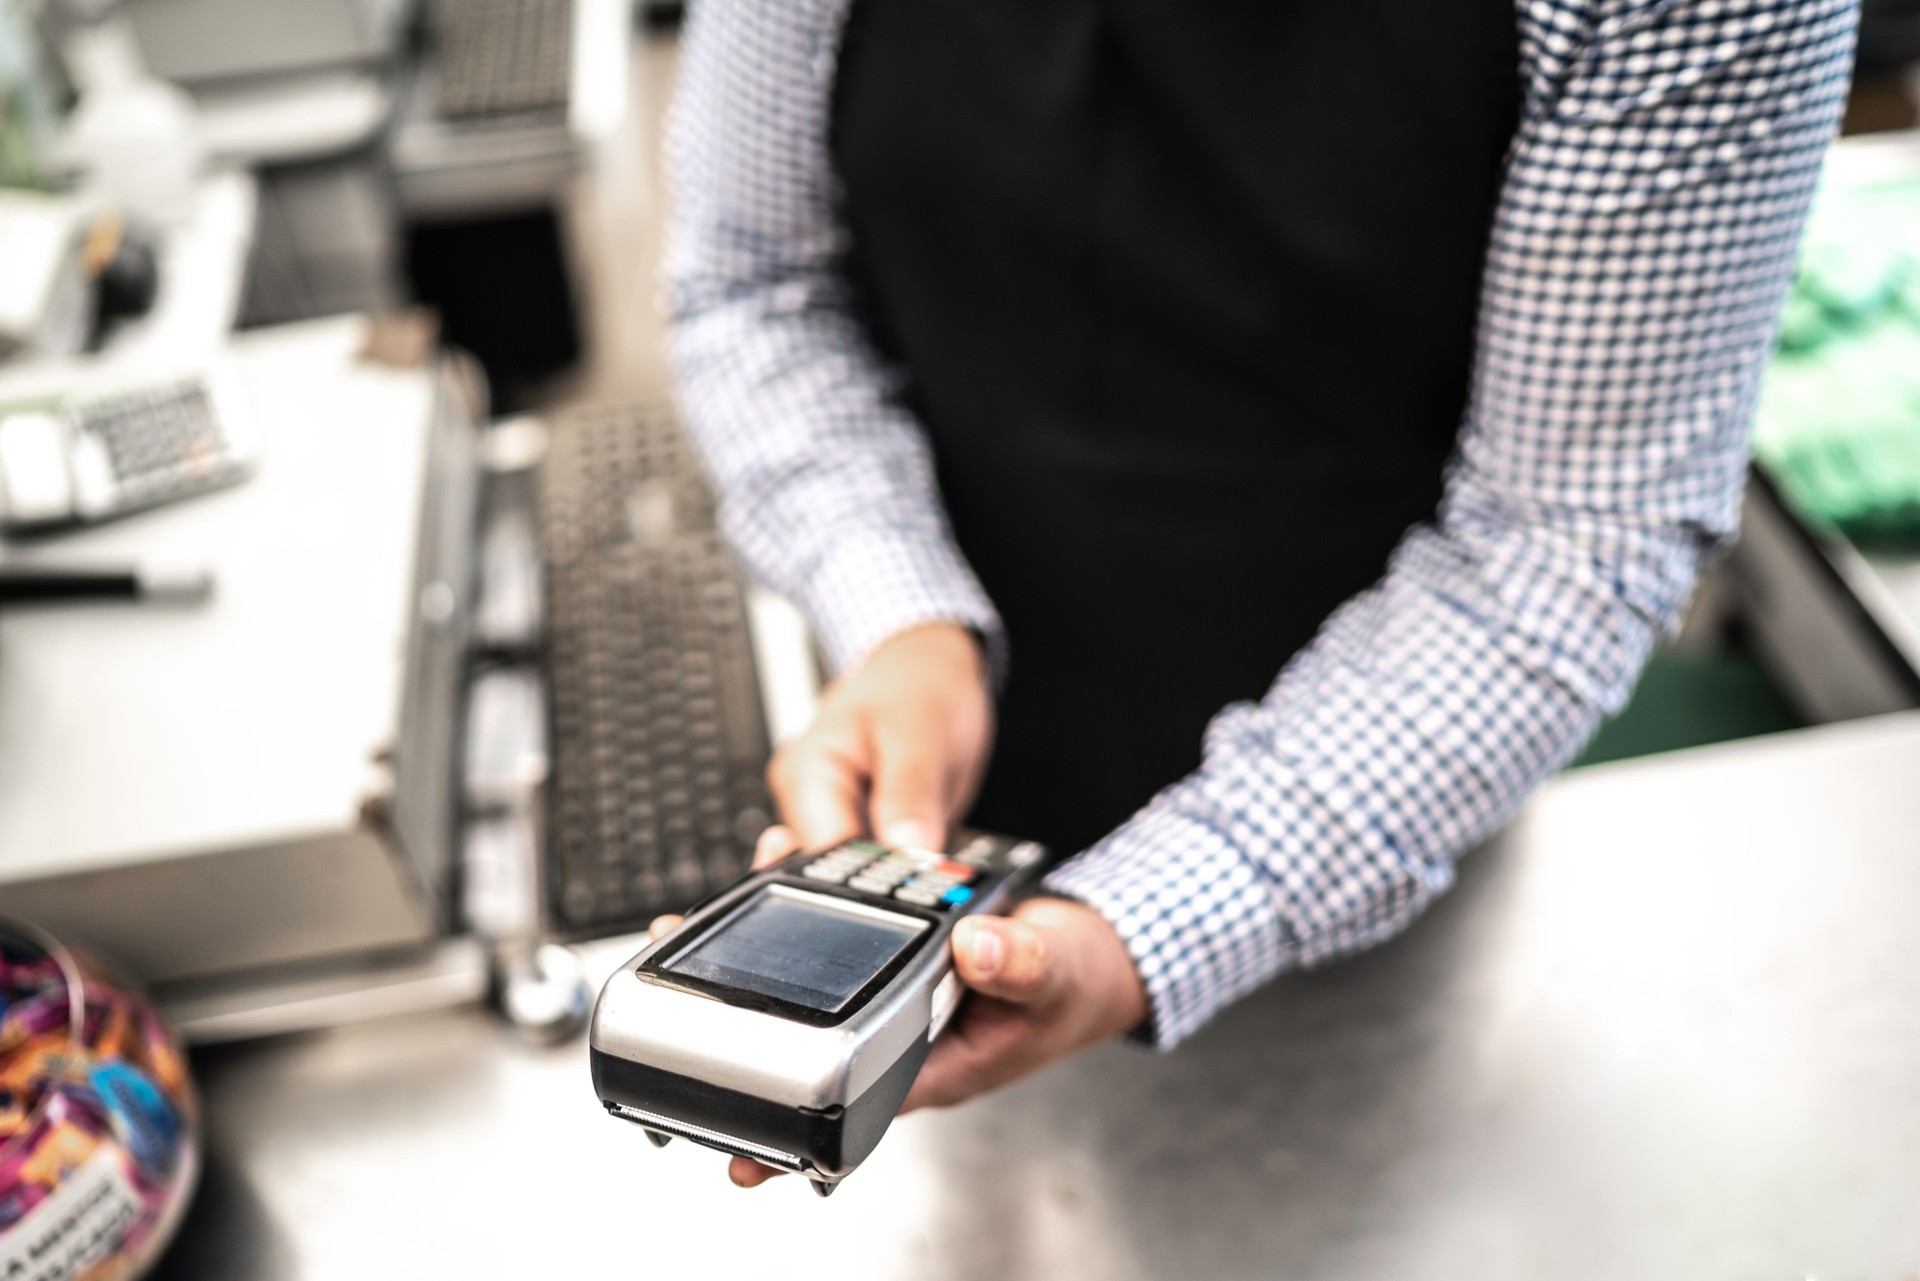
x=786 y=1017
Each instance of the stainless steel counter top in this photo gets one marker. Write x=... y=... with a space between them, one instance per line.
x=1667 y=1026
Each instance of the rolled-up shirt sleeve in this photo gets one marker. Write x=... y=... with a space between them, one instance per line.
x=1643 y=242
x=826 y=483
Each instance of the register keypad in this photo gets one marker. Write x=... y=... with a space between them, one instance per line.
x=920 y=877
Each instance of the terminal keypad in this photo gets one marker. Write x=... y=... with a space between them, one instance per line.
x=920 y=877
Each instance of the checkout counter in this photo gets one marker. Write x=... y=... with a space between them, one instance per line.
x=1667 y=1025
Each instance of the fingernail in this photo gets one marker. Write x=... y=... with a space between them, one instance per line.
x=772 y=845
x=984 y=946
x=913 y=835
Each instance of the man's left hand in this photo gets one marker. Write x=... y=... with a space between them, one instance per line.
x=1048 y=981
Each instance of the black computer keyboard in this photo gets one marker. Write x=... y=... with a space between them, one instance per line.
x=659 y=742
x=503 y=58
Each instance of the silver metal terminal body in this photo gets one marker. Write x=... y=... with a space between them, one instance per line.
x=749 y=1051
x=725 y=1032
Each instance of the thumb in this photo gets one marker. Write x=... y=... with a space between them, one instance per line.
x=1007 y=959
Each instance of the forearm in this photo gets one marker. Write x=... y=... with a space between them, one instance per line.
x=827 y=490
x=1644 y=240
x=1327 y=816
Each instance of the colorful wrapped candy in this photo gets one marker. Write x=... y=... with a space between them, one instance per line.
x=97 y=1119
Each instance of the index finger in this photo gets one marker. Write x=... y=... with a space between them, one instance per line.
x=821 y=794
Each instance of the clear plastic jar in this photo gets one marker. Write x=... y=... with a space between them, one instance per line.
x=99 y=1138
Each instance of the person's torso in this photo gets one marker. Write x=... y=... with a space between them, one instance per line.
x=1186 y=296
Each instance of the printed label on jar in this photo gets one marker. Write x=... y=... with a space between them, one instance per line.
x=79 y=1224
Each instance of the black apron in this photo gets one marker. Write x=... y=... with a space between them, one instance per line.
x=1185 y=291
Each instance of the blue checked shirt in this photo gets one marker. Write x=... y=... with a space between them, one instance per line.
x=1643 y=240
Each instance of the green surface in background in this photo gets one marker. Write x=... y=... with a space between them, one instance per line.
x=1839 y=418
x=1689 y=700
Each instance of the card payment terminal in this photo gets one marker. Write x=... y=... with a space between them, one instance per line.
x=786 y=1017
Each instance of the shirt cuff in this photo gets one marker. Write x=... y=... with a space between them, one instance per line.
x=873 y=585
x=1200 y=923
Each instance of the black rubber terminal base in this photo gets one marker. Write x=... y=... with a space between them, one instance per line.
x=831 y=1141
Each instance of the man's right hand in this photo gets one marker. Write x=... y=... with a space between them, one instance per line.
x=897 y=748
x=896 y=751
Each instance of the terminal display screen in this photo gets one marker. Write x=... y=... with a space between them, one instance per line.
x=805 y=949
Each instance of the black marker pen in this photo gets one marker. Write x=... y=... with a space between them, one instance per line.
x=49 y=584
